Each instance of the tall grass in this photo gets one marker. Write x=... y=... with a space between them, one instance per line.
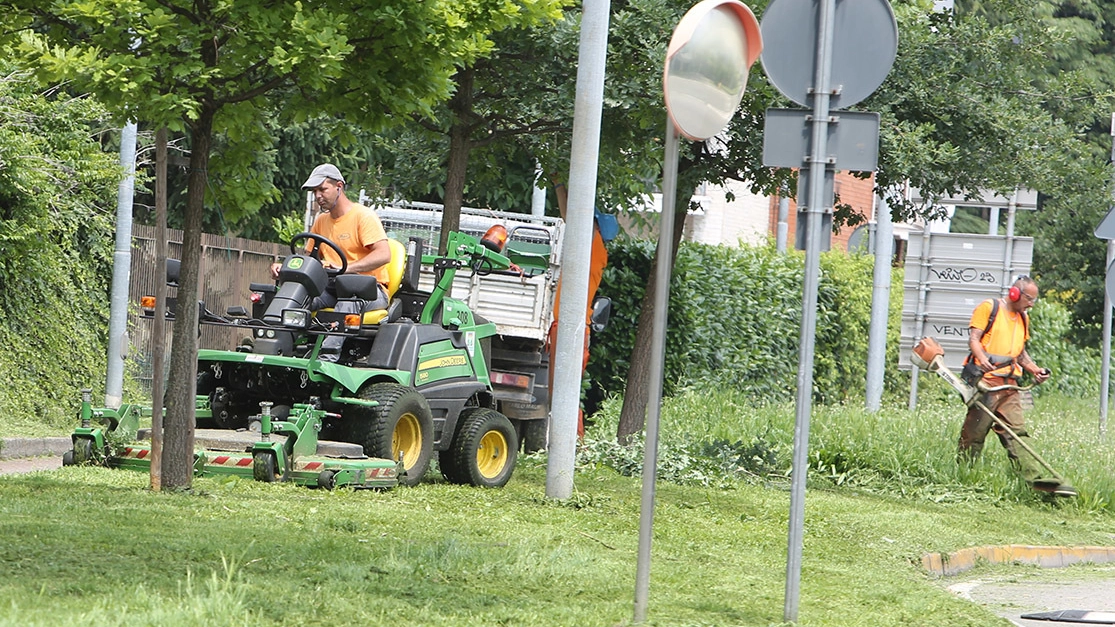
x=709 y=436
x=95 y=546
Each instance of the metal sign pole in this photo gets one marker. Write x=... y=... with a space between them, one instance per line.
x=1105 y=366
x=818 y=163
x=657 y=361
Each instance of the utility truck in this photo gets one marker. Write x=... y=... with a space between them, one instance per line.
x=519 y=301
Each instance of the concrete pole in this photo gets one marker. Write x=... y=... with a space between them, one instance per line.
x=577 y=249
x=121 y=270
x=880 y=305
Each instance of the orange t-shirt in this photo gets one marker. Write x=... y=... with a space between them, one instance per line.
x=1006 y=337
x=354 y=232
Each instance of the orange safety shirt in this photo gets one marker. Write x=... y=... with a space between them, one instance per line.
x=1006 y=337
x=354 y=232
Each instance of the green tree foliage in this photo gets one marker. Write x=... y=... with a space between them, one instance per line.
x=57 y=200
x=206 y=67
x=1056 y=57
x=969 y=105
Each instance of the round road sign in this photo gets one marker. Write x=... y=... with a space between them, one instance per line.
x=864 y=45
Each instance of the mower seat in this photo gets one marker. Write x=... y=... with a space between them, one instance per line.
x=396 y=266
x=365 y=290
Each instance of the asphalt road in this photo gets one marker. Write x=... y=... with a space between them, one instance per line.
x=1090 y=591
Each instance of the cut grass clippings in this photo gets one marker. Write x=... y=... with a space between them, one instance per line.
x=84 y=546
x=95 y=546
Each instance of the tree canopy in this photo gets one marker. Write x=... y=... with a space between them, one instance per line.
x=207 y=66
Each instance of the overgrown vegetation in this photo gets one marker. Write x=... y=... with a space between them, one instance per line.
x=715 y=436
x=57 y=205
x=735 y=319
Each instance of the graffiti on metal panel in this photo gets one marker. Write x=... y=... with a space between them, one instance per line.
x=963 y=275
x=949 y=331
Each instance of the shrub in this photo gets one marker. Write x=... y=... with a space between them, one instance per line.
x=735 y=319
x=1076 y=370
x=57 y=200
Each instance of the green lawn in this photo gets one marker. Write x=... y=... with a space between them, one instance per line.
x=90 y=546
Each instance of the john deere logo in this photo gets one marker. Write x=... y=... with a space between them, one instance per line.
x=295 y=263
x=443 y=362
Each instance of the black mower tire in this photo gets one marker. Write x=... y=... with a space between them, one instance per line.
x=401 y=423
x=81 y=453
x=264 y=468
x=535 y=434
x=327 y=479
x=484 y=450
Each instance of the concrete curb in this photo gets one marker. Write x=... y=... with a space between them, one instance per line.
x=947 y=564
x=14 y=448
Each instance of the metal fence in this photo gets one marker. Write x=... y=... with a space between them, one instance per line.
x=228 y=266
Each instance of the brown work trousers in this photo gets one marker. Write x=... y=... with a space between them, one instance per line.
x=1006 y=404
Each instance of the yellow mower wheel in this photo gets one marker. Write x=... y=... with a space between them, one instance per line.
x=491 y=455
x=484 y=450
x=401 y=424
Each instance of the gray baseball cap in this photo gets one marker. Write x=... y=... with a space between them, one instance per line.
x=322 y=172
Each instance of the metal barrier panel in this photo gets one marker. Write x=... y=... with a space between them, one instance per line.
x=947 y=276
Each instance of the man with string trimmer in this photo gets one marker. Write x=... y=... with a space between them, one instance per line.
x=998 y=332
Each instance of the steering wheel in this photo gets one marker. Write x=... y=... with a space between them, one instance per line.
x=318 y=240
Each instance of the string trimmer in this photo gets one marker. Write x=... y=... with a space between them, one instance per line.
x=928 y=355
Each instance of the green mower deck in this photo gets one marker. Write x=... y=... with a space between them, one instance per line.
x=281 y=450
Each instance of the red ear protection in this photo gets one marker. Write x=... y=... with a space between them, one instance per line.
x=1014 y=294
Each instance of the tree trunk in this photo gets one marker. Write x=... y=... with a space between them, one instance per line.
x=632 y=417
x=460 y=106
x=178 y=425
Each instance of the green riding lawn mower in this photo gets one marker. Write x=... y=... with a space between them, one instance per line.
x=360 y=394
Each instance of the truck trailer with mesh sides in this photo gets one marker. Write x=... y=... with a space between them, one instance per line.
x=520 y=303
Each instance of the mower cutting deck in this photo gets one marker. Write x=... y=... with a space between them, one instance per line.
x=272 y=450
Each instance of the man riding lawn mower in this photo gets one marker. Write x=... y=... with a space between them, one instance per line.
x=407 y=376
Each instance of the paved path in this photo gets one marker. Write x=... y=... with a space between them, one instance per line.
x=29 y=464
x=1090 y=588
x=30 y=454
